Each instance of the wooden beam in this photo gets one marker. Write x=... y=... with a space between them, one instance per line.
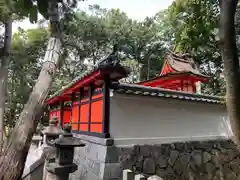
x=106 y=106
x=72 y=101
x=61 y=113
x=90 y=93
x=81 y=93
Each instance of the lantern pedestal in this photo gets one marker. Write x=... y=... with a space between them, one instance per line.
x=59 y=172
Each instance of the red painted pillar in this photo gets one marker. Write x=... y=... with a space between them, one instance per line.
x=182 y=84
x=194 y=86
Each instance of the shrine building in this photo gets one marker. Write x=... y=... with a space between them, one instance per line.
x=101 y=106
x=168 y=108
x=179 y=73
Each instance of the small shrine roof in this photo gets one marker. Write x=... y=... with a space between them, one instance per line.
x=141 y=90
x=182 y=63
x=177 y=66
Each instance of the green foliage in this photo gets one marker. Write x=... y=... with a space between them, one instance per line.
x=91 y=36
x=31 y=8
x=194 y=29
x=87 y=37
x=195 y=23
x=134 y=68
x=28 y=47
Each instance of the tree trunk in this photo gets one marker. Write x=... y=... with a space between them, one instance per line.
x=4 y=61
x=15 y=153
x=231 y=63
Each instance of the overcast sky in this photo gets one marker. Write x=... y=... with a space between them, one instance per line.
x=135 y=9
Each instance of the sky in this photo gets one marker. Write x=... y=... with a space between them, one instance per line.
x=135 y=9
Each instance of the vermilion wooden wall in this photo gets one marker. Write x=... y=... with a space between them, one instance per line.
x=80 y=123
x=96 y=117
x=56 y=112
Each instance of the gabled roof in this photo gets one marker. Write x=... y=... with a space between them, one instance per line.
x=181 y=63
x=177 y=66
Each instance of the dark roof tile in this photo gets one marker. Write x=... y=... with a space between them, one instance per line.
x=183 y=63
x=160 y=92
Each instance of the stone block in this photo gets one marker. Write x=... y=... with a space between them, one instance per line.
x=173 y=157
x=145 y=150
x=206 y=157
x=197 y=157
x=112 y=154
x=162 y=161
x=127 y=174
x=149 y=166
x=112 y=170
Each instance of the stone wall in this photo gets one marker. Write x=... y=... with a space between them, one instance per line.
x=95 y=161
x=205 y=160
x=35 y=171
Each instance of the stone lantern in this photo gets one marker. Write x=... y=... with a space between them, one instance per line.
x=51 y=132
x=63 y=164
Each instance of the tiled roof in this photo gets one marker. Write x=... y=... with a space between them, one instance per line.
x=134 y=89
x=111 y=68
x=182 y=64
x=74 y=81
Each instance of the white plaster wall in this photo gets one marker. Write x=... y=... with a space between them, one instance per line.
x=135 y=117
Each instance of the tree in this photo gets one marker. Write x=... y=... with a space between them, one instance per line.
x=4 y=74
x=134 y=75
x=6 y=20
x=15 y=152
x=237 y=26
x=10 y=10
x=90 y=36
x=231 y=63
x=193 y=28
x=24 y=66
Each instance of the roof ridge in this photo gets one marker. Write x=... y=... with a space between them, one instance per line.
x=179 y=59
x=135 y=89
x=182 y=65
